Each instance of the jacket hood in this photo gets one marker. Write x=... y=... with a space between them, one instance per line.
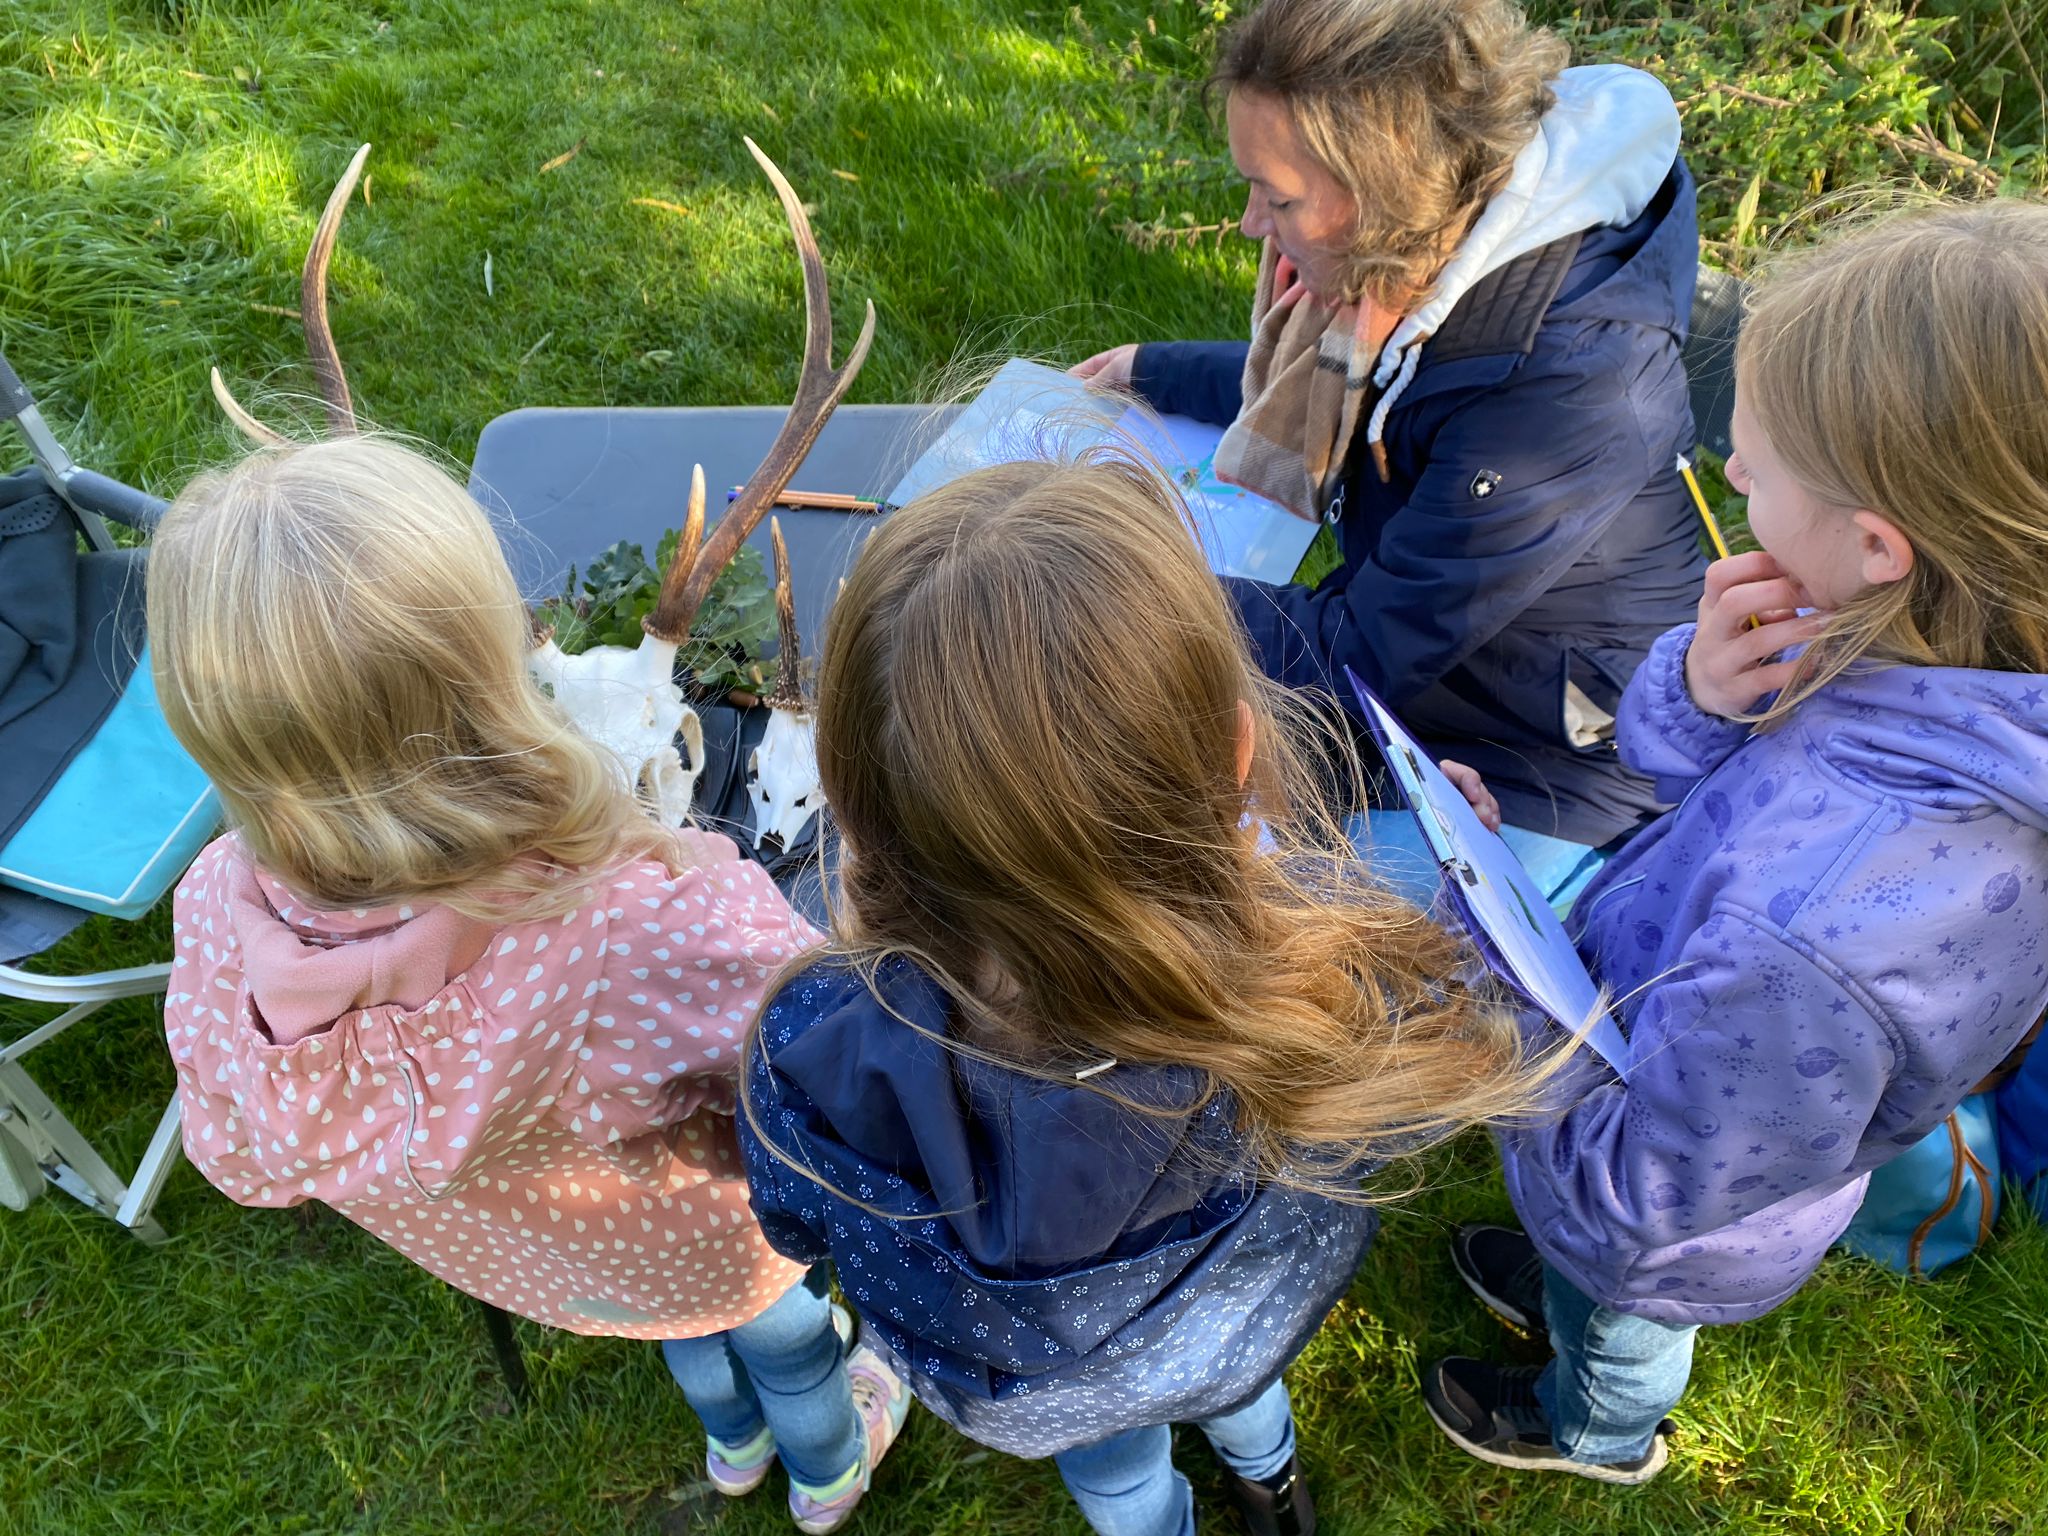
x=1945 y=739
x=1004 y=1178
x=338 y=1014
x=1599 y=155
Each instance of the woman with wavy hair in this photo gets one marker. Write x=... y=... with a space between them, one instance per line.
x=1477 y=275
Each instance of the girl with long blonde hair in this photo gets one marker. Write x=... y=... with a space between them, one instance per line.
x=1112 y=1023
x=1836 y=935
x=445 y=974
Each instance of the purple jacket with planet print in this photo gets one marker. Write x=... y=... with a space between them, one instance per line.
x=1816 y=956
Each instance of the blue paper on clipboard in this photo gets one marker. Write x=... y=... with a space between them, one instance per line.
x=1501 y=905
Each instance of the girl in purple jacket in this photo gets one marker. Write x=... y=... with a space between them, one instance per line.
x=1840 y=930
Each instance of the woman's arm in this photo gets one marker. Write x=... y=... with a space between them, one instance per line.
x=1201 y=379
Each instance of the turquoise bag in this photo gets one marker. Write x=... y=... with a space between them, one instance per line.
x=1937 y=1201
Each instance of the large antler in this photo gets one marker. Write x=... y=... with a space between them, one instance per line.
x=789 y=684
x=819 y=388
x=341 y=415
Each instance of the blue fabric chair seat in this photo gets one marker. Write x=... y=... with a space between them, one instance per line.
x=124 y=819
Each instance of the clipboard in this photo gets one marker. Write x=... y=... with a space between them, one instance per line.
x=1503 y=909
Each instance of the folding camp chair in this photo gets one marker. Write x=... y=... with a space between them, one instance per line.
x=102 y=812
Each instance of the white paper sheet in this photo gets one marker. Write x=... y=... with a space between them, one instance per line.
x=1242 y=533
x=1029 y=411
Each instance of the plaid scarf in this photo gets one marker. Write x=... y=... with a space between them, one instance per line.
x=1307 y=378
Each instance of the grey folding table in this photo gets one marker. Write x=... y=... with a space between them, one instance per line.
x=566 y=483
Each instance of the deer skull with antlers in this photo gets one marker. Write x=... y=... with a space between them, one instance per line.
x=628 y=699
x=782 y=772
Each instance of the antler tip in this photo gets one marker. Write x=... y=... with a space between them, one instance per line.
x=235 y=412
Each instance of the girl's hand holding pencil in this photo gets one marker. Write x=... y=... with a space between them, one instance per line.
x=1749 y=616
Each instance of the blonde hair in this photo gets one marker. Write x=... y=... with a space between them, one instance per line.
x=339 y=643
x=1902 y=368
x=1417 y=107
x=1028 y=729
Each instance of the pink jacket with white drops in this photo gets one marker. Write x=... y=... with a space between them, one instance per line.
x=539 y=1114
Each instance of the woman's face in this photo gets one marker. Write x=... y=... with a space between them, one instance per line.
x=1292 y=199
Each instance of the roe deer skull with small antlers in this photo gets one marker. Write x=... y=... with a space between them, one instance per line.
x=627 y=698
x=782 y=772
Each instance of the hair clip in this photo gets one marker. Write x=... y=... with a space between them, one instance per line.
x=1087 y=1072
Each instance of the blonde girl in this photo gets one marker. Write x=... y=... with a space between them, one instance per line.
x=445 y=975
x=1079 y=1098
x=1837 y=934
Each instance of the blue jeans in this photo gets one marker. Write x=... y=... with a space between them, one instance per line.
x=1126 y=1485
x=784 y=1370
x=1389 y=840
x=1614 y=1377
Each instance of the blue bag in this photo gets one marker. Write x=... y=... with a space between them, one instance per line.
x=1935 y=1202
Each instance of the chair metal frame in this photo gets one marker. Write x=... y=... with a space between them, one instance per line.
x=33 y=1131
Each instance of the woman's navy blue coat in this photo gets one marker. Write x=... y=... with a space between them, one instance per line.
x=1050 y=1266
x=1533 y=530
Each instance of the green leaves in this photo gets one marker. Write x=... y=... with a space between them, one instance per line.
x=619 y=589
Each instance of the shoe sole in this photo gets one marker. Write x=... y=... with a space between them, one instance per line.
x=737 y=1490
x=1660 y=1453
x=1509 y=1314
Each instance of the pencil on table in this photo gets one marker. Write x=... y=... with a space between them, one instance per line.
x=824 y=501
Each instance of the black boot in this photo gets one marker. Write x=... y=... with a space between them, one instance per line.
x=1274 y=1506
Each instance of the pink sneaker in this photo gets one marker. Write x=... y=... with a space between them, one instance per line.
x=883 y=1402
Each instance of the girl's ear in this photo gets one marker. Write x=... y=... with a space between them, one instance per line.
x=1886 y=552
x=1247 y=741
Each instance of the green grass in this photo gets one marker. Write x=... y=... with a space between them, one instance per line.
x=1021 y=169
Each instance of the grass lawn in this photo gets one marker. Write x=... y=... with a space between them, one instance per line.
x=999 y=176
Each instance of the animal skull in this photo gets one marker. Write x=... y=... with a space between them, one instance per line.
x=628 y=699
x=782 y=772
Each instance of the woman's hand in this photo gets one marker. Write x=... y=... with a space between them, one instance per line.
x=1730 y=665
x=1108 y=370
x=1476 y=794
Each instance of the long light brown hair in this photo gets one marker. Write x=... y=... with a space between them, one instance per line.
x=1029 y=728
x=338 y=642
x=1901 y=367
x=1417 y=107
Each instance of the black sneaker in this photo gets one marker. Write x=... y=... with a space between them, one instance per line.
x=1491 y=1411
x=1504 y=1270
x=1274 y=1506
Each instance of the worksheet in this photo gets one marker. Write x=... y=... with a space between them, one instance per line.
x=1503 y=908
x=1029 y=411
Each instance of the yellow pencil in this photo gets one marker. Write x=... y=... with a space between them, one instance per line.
x=1714 y=535
x=1700 y=501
